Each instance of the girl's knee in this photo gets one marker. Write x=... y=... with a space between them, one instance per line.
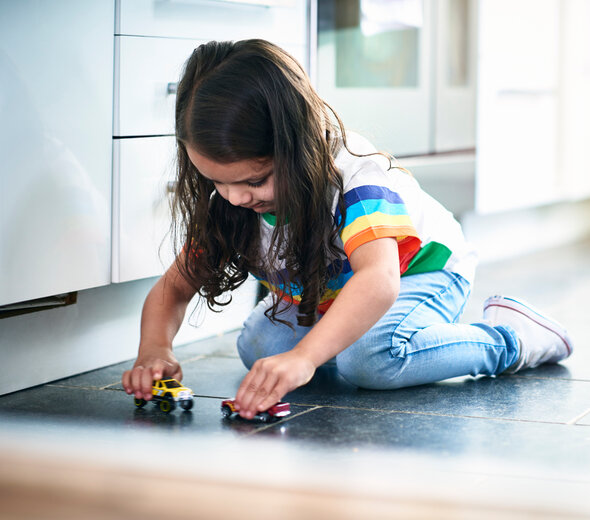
x=249 y=348
x=261 y=338
x=370 y=369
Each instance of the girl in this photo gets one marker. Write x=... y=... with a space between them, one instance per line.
x=363 y=267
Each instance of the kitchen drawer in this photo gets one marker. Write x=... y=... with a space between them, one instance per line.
x=142 y=168
x=144 y=106
x=282 y=21
x=141 y=247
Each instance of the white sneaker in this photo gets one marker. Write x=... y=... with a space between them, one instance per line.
x=541 y=339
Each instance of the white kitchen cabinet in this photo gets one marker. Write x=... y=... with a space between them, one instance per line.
x=153 y=39
x=517 y=104
x=533 y=109
x=148 y=70
x=575 y=99
x=142 y=169
x=283 y=21
x=455 y=75
x=146 y=66
x=374 y=70
x=56 y=95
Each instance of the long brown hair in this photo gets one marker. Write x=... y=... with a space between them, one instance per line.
x=250 y=100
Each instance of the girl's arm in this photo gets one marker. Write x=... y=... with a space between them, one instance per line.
x=363 y=300
x=162 y=315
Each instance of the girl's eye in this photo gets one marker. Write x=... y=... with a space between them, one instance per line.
x=257 y=184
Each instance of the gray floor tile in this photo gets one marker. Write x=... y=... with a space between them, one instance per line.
x=117 y=410
x=584 y=420
x=510 y=397
x=560 y=447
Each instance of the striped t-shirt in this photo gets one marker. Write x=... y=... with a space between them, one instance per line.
x=381 y=203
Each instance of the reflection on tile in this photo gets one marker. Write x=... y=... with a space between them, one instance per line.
x=510 y=397
x=559 y=446
x=219 y=377
x=116 y=409
x=503 y=397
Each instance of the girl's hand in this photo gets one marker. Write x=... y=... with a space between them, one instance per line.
x=270 y=379
x=151 y=364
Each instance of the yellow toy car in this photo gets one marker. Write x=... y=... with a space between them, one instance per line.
x=167 y=393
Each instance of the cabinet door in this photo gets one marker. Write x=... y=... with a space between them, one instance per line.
x=280 y=21
x=144 y=103
x=575 y=100
x=518 y=104
x=456 y=65
x=142 y=168
x=373 y=69
x=56 y=84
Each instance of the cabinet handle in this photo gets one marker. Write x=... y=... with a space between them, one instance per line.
x=171 y=89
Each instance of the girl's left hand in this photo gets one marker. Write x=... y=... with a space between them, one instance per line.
x=270 y=379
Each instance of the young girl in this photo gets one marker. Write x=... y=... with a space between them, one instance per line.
x=363 y=267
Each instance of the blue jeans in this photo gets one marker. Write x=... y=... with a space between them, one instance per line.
x=417 y=341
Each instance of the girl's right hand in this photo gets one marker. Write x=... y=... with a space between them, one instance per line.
x=151 y=365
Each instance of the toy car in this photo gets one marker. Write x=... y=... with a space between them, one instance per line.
x=167 y=393
x=274 y=413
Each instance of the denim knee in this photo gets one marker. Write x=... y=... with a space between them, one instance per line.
x=253 y=345
x=370 y=366
x=245 y=351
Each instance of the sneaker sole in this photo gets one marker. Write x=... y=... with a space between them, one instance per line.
x=531 y=314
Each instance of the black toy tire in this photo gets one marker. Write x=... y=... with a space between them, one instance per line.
x=265 y=417
x=187 y=405
x=139 y=402
x=167 y=405
x=226 y=411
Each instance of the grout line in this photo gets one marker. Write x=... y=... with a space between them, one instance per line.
x=108 y=387
x=434 y=414
x=547 y=378
x=73 y=387
x=282 y=421
x=581 y=416
x=80 y=387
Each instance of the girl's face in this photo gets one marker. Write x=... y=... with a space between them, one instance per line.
x=248 y=183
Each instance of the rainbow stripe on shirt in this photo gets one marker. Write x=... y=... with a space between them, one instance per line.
x=372 y=212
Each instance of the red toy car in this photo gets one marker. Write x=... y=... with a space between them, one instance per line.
x=275 y=412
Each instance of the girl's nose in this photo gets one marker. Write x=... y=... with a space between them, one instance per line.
x=238 y=196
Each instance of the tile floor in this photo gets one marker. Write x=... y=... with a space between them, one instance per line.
x=525 y=436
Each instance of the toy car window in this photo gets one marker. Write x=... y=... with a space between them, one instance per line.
x=172 y=384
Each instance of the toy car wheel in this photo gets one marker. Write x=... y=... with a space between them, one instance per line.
x=187 y=405
x=167 y=405
x=226 y=411
x=265 y=417
x=139 y=402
